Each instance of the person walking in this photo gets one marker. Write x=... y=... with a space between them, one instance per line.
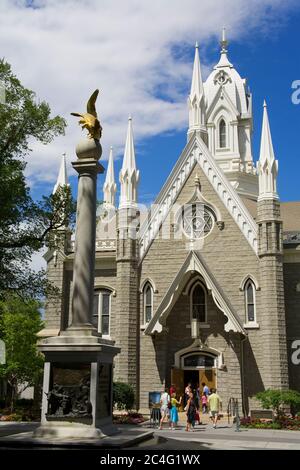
x=174 y=411
x=187 y=391
x=204 y=400
x=190 y=412
x=164 y=407
x=205 y=389
x=215 y=405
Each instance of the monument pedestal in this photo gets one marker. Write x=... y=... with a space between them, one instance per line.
x=77 y=388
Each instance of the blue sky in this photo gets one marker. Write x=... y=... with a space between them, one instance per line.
x=271 y=62
x=144 y=67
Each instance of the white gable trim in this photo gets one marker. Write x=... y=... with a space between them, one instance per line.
x=229 y=108
x=196 y=151
x=194 y=263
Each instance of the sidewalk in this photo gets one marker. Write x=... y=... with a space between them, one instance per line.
x=225 y=436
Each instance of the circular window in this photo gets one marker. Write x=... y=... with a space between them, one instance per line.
x=197 y=220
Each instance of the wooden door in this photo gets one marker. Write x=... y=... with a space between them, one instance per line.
x=177 y=379
x=208 y=376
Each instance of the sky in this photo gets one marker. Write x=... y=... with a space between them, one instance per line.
x=140 y=55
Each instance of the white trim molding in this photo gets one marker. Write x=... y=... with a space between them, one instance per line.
x=145 y=281
x=253 y=279
x=198 y=347
x=194 y=264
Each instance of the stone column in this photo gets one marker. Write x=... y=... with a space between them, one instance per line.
x=88 y=152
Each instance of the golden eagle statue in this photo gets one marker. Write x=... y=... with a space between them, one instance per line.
x=89 y=120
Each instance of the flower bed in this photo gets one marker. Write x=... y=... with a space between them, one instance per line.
x=128 y=418
x=284 y=422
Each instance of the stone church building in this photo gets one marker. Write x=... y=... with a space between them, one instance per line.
x=203 y=286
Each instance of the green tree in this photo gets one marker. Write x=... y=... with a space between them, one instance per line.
x=19 y=324
x=24 y=223
x=123 y=396
x=276 y=400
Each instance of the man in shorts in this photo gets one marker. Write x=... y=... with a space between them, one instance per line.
x=215 y=405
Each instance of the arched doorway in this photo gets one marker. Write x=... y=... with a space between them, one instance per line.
x=196 y=367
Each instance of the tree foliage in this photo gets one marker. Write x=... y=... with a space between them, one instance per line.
x=277 y=399
x=24 y=223
x=123 y=396
x=19 y=324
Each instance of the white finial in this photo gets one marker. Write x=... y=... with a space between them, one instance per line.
x=267 y=166
x=110 y=187
x=62 y=178
x=223 y=62
x=129 y=175
x=224 y=42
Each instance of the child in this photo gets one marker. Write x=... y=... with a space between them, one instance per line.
x=204 y=403
x=173 y=411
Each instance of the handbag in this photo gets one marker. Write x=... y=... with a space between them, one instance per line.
x=169 y=405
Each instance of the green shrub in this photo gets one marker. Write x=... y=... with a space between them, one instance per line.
x=123 y=396
x=277 y=399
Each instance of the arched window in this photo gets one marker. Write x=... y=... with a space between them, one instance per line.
x=101 y=313
x=222 y=134
x=198 y=303
x=148 y=302
x=250 y=301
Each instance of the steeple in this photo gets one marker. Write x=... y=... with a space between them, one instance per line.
x=62 y=178
x=110 y=187
x=196 y=100
x=223 y=62
x=129 y=175
x=267 y=166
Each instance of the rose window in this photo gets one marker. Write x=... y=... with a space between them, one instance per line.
x=197 y=220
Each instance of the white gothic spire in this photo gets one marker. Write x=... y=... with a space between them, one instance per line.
x=267 y=166
x=110 y=187
x=62 y=178
x=196 y=100
x=129 y=175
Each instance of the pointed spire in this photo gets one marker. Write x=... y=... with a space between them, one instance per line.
x=197 y=85
x=129 y=175
x=223 y=62
x=267 y=166
x=129 y=154
x=196 y=99
x=62 y=178
x=110 y=187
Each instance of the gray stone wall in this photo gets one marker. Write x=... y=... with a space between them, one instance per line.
x=230 y=259
x=58 y=304
x=274 y=370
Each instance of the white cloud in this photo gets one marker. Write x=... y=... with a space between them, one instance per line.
x=65 y=49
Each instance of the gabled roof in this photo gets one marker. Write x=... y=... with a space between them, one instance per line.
x=194 y=263
x=222 y=92
x=195 y=152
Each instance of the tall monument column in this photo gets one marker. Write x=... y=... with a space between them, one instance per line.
x=87 y=166
x=78 y=372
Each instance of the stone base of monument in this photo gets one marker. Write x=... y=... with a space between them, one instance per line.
x=77 y=387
